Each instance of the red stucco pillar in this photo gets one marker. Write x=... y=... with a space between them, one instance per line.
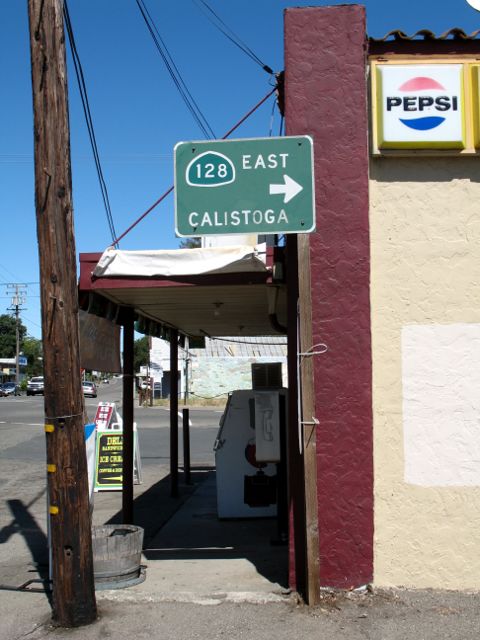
x=326 y=97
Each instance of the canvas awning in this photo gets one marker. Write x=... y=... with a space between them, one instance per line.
x=219 y=291
x=181 y=262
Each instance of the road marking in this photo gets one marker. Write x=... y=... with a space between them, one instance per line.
x=180 y=415
x=27 y=424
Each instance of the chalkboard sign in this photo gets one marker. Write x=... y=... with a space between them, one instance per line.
x=109 y=462
x=109 y=468
x=109 y=449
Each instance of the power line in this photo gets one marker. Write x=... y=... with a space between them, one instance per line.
x=27 y=158
x=9 y=297
x=88 y=118
x=230 y=34
x=172 y=69
x=272 y=116
x=164 y=195
x=6 y=271
x=32 y=321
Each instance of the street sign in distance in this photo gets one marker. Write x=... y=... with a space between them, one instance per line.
x=260 y=185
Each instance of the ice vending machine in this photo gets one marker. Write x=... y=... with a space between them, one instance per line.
x=247 y=449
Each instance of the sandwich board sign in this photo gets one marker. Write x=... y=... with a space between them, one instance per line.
x=259 y=185
x=90 y=448
x=109 y=449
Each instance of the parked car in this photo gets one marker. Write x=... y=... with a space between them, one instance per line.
x=35 y=386
x=89 y=389
x=2 y=392
x=10 y=389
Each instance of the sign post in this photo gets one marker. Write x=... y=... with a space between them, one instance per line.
x=261 y=185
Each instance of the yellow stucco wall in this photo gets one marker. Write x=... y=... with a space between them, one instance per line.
x=425 y=297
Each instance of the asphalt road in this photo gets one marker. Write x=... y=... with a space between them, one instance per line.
x=23 y=438
x=23 y=471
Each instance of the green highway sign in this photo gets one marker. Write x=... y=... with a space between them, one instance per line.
x=261 y=185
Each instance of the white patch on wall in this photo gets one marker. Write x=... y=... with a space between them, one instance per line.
x=441 y=404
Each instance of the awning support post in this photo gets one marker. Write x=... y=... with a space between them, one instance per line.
x=296 y=489
x=174 y=413
x=127 y=405
x=186 y=445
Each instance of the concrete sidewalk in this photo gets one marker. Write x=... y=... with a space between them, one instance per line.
x=207 y=578
x=195 y=557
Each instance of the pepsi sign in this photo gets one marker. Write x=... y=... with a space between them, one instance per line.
x=420 y=106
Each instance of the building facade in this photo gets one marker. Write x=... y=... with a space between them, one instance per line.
x=222 y=366
x=395 y=297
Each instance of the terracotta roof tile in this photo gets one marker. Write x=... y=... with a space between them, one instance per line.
x=426 y=34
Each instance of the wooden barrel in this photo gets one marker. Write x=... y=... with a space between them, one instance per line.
x=117 y=552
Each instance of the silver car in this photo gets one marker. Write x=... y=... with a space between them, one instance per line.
x=10 y=389
x=35 y=386
x=89 y=389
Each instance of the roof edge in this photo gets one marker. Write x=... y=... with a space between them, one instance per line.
x=397 y=35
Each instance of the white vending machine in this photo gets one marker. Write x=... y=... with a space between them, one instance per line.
x=247 y=449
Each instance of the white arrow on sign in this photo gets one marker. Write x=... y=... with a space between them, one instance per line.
x=290 y=188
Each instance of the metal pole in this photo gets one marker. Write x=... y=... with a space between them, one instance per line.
x=174 y=413
x=127 y=405
x=187 y=364
x=186 y=444
x=282 y=476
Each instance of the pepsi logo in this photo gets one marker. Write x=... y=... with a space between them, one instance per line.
x=475 y=4
x=421 y=103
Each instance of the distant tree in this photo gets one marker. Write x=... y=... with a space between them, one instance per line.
x=8 y=339
x=141 y=352
x=190 y=243
x=32 y=350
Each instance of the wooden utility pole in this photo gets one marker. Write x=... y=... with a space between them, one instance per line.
x=70 y=525
x=17 y=300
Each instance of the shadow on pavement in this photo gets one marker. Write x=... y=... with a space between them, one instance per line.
x=153 y=508
x=188 y=528
x=24 y=523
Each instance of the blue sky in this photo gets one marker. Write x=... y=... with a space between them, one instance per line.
x=138 y=114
